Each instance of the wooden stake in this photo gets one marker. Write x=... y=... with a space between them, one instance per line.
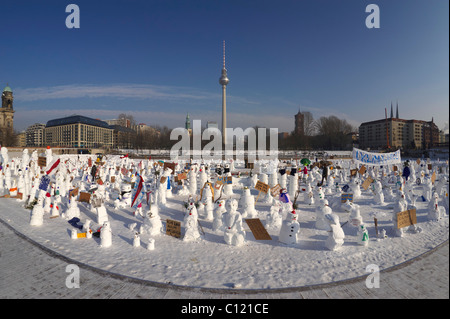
x=257 y=197
x=376 y=225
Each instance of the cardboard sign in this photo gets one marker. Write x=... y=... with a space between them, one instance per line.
x=346 y=197
x=173 y=228
x=275 y=191
x=262 y=187
x=42 y=161
x=367 y=182
x=225 y=179
x=182 y=176
x=169 y=165
x=73 y=192
x=258 y=229
x=362 y=170
x=406 y=218
x=84 y=197
x=433 y=178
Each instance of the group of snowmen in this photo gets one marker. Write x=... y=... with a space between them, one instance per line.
x=217 y=205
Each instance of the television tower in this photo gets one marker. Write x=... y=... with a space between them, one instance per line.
x=224 y=81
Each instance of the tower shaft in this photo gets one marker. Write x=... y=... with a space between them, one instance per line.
x=224 y=113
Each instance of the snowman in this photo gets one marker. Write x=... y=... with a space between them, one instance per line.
x=322 y=210
x=152 y=222
x=378 y=193
x=37 y=214
x=190 y=207
x=234 y=233
x=102 y=215
x=192 y=179
x=219 y=210
x=106 y=235
x=308 y=195
x=427 y=189
x=55 y=209
x=207 y=194
x=247 y=202
x=363 y=236
x=162 y=187
x=253 y=179
x=227 y=187
x=5 y=156
x=290 y=229
x=320 y=193
x=203 y=177
x=273 y=179
x=435 y=211
x=293 y=182
x=282 y=178
x=48 y=202
x=336 y=236
x=7 y=172
x=356 y=188
x=355 y=218
x=124 y=199
x=400 y=205
x=191 y=227
x=72 y=211
x=274 y=219
x=21 y=187
x=136 y=240
x=48 y=155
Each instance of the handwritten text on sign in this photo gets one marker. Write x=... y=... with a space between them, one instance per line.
x=262 y=187
x=406 y=218
x=173 y=228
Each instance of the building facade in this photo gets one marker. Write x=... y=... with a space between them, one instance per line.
x=398 y=133
x=35 y=135
x=78 y=132
x=7 y=118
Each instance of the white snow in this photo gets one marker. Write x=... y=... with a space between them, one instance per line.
x=210 y=262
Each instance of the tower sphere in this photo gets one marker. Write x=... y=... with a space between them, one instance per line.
x=224 y=79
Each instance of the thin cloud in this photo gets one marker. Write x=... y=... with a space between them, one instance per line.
x=136 y=91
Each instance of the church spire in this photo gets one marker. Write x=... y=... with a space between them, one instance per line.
x=392 y=111
x=396 y=113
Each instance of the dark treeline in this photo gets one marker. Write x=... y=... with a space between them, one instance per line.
x=325 y=133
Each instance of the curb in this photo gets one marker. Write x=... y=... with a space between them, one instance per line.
x=218 y=290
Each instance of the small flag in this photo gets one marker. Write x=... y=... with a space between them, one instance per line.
x=53 y=167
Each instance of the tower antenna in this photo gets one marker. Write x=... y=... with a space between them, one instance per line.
x=224 y=54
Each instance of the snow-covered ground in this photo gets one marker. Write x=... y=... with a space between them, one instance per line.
x=210 y=262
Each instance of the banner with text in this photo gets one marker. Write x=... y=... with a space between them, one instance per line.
x=370 y=158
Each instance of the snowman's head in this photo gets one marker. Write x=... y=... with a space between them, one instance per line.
x=293 y=215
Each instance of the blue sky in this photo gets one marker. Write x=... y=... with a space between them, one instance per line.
x=158 y=60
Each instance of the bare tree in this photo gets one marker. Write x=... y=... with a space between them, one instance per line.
x=309 y=124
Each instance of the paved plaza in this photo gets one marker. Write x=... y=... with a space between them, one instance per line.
x=28 y=270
